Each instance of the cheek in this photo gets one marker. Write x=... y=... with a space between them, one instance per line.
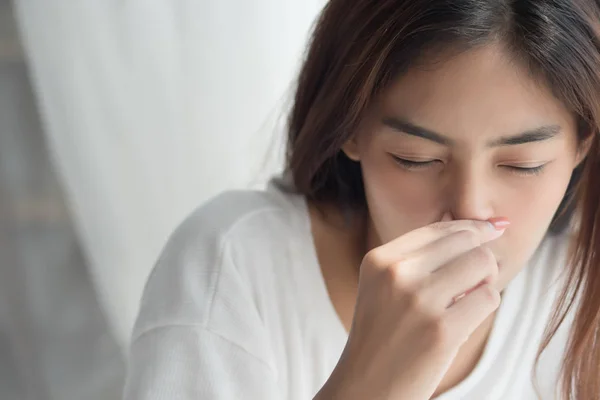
x=398 y=201
x=530 y=208
x=532 y=203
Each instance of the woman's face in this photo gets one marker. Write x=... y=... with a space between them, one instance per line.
x=474 y=136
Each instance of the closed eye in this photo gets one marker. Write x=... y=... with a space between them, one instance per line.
x=412 y=165
x=526 y=171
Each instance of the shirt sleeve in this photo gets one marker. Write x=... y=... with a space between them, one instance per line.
x=185 y=363
x=200 y=332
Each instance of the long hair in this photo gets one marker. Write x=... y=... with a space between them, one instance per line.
x=359 y=47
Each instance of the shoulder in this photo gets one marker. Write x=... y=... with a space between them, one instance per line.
x=222 y=217
x=216 y=260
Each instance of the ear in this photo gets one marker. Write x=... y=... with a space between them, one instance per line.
x=584 y=148
x=350 y=148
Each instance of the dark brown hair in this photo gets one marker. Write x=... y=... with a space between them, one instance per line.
x=359 y=46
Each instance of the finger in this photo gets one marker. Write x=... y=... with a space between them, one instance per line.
x=418 y=238
x=460 y=275
x=445 y=250
x=486 y=281
x=471 y=310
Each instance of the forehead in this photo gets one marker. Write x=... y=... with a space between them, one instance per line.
x=477 y=94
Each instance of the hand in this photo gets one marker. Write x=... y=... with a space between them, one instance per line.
x=420 y=297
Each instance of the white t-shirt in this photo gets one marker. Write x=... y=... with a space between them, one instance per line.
x=237 y=308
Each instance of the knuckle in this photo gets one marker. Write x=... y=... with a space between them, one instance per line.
x=397 y=276
x=493 y=269
x=373 y=258
x=491 y=295
x=484 y=256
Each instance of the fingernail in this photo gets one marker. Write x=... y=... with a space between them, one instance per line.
x=499 y=223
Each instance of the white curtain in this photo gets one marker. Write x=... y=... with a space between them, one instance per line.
x=153 y=106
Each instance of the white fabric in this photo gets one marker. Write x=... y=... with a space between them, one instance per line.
x=237 y=308
x=153 y=106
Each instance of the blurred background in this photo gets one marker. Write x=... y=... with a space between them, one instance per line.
x=117 y=119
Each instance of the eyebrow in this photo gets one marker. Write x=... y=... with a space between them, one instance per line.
x=534 y=135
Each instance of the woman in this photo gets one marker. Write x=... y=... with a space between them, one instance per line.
x=442 y=162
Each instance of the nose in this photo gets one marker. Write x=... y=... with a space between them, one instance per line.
x=471 y=195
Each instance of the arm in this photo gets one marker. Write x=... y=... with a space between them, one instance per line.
x=187 y=362
x=199 y=333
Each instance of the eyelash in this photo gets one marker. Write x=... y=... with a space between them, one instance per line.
x=527 y=171
x=416 y=165
x=412 y=165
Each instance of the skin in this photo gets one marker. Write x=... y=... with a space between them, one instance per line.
x=475 y=101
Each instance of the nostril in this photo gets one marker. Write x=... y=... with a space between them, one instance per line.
x=446 y=217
